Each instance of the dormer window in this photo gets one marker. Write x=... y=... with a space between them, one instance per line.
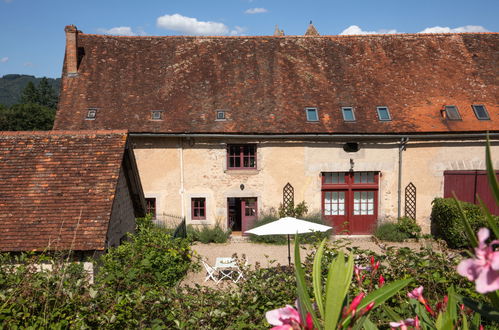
x=220 y=115
x=157 y=115
x=312 y=114
x=480 y=112
x=452 y=113
x=348 y=114
x=383 y=114
x=91 y=114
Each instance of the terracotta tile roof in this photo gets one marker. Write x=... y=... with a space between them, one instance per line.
x=57 y=188
x=264 y=83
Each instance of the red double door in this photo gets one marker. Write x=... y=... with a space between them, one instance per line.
x=350 y=201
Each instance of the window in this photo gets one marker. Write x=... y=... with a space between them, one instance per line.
x=220 y=115
x=348 y=114
x=480 y=112
x=91 y=114
x=151 y=207
x=383 y=114
x=312 y=114
x=198 y=208
x=241 y=156
x=156 y=115
x=452 y=112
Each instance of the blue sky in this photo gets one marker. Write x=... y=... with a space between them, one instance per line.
x=32 y=31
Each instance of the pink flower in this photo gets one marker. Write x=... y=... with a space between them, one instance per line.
x=352 y=309
x=381 y=281
x=417 y=294
x=484 y=267
x=288 y=318
x=403 y=324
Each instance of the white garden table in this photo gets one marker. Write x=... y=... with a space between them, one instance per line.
x=227 y=267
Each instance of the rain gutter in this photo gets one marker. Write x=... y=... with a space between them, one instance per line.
x=318 y=136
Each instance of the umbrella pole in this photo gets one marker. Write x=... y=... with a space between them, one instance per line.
x=289 y=252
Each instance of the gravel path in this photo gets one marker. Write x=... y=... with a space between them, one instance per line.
x=271 y=255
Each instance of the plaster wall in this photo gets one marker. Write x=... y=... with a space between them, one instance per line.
x=300 y=163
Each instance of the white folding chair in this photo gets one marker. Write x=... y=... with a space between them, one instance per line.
x=210 y=272
x=240 y=272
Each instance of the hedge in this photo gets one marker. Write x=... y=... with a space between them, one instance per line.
x=447 y=225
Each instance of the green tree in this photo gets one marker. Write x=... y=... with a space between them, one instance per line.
x=26 y=117
x=30 y=94
x=46 y=94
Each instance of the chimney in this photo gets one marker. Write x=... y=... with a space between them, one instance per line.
x=71 y=50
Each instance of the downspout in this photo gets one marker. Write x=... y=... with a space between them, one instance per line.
x=402 y=147
x=182 y=177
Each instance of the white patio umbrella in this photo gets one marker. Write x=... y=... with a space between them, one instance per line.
x=288 y=226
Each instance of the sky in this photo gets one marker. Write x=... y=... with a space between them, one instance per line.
x=32 y=36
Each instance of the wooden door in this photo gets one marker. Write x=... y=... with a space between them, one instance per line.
x=350 y=200
x=248 y=212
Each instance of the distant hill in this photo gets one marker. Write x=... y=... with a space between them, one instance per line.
x=11 y=86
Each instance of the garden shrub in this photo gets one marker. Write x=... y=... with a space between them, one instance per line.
x=390 y=231
x=208 y=234
x=150 y=257
x=447 y=225
x=409 y=227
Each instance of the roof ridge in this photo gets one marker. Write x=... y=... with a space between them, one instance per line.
x=63 y=132
x=291 y=36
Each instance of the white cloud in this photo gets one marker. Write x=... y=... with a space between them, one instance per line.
x=354 y=29
x=28 y=64
x=238 y=30
x=460 y=29
x=7 y=1
x=256 y=11
x=118 y=31
x=189 y=25
x=4 y=59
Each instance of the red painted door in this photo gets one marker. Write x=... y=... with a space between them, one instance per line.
x=248 y=212
x=350 y=200
x=468 y=186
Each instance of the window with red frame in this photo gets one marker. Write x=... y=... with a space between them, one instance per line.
x=151 y=207
x=241 y=156
x=198 y=206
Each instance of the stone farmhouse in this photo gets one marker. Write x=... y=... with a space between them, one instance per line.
x=361 y=128
x=67 y=190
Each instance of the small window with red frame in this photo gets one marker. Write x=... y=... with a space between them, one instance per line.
x=241 y=156
x=151 y=207
x=198 y=208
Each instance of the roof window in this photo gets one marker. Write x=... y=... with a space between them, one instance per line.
x=480 y=112
x=91 y=114
x=312 y=114
x=383 y=114
x=157 y=115
x=348 y=114
x=452 y=113
x=220 y=115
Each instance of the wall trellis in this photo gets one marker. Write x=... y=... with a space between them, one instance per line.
x=410 y=201
x=288 y=196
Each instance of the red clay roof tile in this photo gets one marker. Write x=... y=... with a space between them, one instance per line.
x=265 y=83
x=57 y=188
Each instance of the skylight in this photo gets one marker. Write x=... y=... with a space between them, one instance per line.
x=452 y=112
x=312 y=114
x=480 y=112
x=91 y=114
x=348 y=114
x=220 y=115
x=157 y=115
x=383 y=114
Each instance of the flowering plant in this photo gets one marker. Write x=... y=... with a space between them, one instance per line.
x=332 y=308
